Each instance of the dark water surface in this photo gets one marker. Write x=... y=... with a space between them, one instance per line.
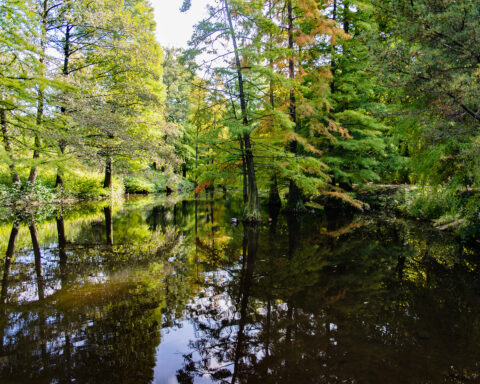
x=159 y=290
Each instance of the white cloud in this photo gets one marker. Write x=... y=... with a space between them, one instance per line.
x=174 y=28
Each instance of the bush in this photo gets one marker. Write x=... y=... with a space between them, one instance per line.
x=90 y=185
x=16 y=193
x=429 y=204
x=138 y=185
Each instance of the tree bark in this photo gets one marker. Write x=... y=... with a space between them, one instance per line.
x=252 y=209
x=274 y=199
x=8 y=146
x=107 y=182
x=32 y=178
x=244 y=171
x=332 y=62
x=295 y=203
x=66 y=61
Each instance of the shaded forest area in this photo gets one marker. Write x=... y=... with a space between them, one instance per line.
x=299 y=102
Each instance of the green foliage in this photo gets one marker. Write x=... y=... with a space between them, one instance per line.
x=429 y=204
x=138 y=185
x=89 y=185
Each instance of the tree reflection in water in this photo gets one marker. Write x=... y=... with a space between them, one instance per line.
x=89 y=291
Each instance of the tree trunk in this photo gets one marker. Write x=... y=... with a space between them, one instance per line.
x=252 y=209
x=295 y=203
x=332 y=62
x=184 y=170
x=274 y=199
x=107 y=182
x=244 y=171
x=32 y=178
x=66 y=61
x=8 y=145
x=59 y=180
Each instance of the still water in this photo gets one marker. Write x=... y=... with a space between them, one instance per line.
x=164 y=290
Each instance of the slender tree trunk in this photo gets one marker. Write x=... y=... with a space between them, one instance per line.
x=66 y=61
x=252 y=209
x=332 y=62
x=59 y=180
x=8 y=146
x=107 y=182
x=32 y=178
x=346 y=17
x=274 y=199
x=295 y=203
x=196 y=163
x=244 y=171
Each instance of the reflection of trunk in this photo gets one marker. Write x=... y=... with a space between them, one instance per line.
x=108 y=225
x=62 y=243
x=8 y=145
x=8 y=262
x=293 y=224
x=40 y=287
x=251 y=234
x=294 y=203
x=163 y=219
x=38 y=259
x=107 y=183
x=175 y=215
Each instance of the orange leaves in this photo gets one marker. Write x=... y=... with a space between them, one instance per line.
x=200 y=187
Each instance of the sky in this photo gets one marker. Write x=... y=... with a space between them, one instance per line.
x=174 y=28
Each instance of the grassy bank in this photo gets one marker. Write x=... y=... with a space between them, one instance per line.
x=446 y=209
x=84 y=185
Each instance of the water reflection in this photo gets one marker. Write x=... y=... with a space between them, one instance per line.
x=91 y=293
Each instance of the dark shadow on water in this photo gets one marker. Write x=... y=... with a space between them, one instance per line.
x=299 y=299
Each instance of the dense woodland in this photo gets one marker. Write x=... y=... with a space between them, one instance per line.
x=294 y=102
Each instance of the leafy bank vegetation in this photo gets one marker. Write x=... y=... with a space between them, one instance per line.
x=299 y=102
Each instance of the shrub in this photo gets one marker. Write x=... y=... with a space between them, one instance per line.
x=138 y=185
x=429 y=204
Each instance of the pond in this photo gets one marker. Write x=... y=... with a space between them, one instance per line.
x=165 y=290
